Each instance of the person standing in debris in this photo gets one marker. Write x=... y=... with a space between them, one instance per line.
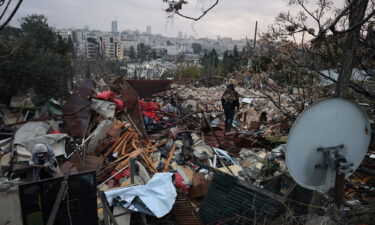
x=44 y=162
x=230 y=102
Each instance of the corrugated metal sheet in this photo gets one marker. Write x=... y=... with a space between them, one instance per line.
x=229 y=201
x=183 y=212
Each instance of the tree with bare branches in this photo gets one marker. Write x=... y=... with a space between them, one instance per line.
x=175 y=7
x=336 y=38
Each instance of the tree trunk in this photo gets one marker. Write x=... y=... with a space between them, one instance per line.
x=356 y=15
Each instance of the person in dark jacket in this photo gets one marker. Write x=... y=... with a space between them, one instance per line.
x=230 y=102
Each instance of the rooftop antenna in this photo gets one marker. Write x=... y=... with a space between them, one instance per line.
x=326 y=144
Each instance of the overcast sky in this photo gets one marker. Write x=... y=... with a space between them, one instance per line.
x=230 y=18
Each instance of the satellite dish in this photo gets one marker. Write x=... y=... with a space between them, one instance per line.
x=327 y=142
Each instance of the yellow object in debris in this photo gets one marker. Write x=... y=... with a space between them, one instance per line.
x=259 y=166
x=282 y=139
x=234 y=168
x=186 y=173
x=261 y=156
x=174 y=165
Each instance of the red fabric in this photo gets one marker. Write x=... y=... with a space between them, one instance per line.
x=152 y=115
x=106 y=95
x=179 y=182
x=149 y=109
x=110 y=96
x=125 y=173
x=55 y=132
x=119 y=104
x=153 y=106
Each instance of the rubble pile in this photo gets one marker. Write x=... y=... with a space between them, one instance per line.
x=163 y=158
x=255 y=110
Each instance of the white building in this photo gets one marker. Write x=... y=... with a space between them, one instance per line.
x=79 y=40
x=129 y=43
x=92 y=46
x=112 y=47
x=65 y=33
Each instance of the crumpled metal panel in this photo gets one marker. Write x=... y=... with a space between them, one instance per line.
x=77 y=111
x=216 y=137
x=133 y=108
x=229 y=201
x=104 y=108
x=147 y=88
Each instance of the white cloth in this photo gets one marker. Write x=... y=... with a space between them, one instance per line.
x=159 y=195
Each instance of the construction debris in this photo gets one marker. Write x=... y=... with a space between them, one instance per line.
x=162 y=152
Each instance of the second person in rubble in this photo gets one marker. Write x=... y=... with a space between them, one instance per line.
x=230 y=102
x=44 y=162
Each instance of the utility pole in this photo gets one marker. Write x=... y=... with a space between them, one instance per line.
x=255 y=33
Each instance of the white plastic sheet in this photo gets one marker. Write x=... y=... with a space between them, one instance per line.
x=247 y=100
x=158 y=195
x=32 y=133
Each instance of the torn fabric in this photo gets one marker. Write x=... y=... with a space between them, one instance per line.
x=156 y=198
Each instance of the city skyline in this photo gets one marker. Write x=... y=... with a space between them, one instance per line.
x=227 y=19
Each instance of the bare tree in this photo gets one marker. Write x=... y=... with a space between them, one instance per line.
x=175 y=7
x=334 y=37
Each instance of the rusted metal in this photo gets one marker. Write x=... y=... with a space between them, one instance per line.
x=217 y=138
x=183 y=212
x=133 y=108
x=147 y=88
x=77 y=111
x=339 y=184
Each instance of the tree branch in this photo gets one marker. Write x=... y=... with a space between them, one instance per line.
x=356 y=25
x=11 y=15
x=336 y=20
x=5 y=9
x=176 y=11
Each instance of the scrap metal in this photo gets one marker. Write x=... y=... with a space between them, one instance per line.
x=231 y=201
x=77 y=109
x=183 y=212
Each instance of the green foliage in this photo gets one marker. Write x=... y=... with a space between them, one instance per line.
x=34 y=58
x=272 y=166
x=209 y=62
x=227 y=63
x=236 y=59
x=197 y=48
x=190 y=71
x=262 y=63
x=231 y=62
x=213 y=66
